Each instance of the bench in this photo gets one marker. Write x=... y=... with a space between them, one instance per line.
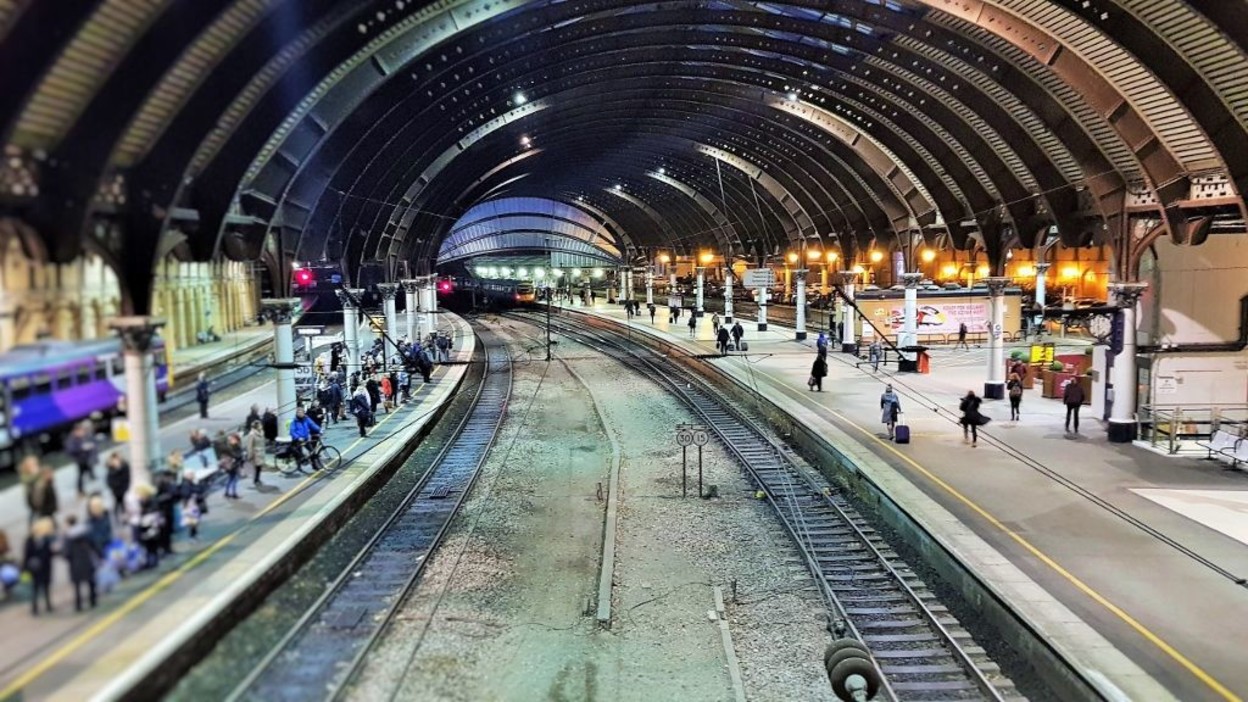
x=1226 y=445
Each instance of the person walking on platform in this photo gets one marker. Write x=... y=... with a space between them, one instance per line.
x=37 y=560
x=254 y=447
x=652 y=309
x=818 y=371
x=1014 y=389
x=118 y=480
x=821 y=344
x=971 y=418
x=737 y=332
x=961 y=338
x=83 y=559
x=361 y=408
x=722 y=339
x=444 y=349
x=890 y=410
x=874 y=352
x=202 y=394
x=1073 y=398
x=715 y=324
x=82 y=448
x=693 y=325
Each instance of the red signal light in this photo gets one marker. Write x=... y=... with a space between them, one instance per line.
x=445 y=286
x=304 y=277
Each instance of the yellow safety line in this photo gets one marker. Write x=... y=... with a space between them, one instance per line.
x=1100 y=599
x=160 y=585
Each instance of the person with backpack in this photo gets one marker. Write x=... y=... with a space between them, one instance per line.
x=444 y=349
x=890 y=410
x=361 y=408
x=1014 y=388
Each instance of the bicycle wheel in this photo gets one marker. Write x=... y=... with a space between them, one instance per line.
x=329 y=458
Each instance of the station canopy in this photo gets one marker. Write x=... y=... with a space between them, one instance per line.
x=358 y=131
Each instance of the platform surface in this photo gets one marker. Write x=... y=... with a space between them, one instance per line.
x=1066 y=510
x=96 y=654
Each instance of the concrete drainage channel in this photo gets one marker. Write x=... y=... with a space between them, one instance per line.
x=970 y=600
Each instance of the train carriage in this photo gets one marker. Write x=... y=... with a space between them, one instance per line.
x=48 y=386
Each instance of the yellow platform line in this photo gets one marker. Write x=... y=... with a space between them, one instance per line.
x=38 y=670
x=1097 y=597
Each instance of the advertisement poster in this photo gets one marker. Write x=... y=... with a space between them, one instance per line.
x=943 y=318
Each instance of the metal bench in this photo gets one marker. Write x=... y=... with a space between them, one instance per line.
x=1226 y=445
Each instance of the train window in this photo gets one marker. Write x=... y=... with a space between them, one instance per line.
x=19 y=387
x=41 y=383
x=65 y=379
x=119 y=366
x=101 y=371
x=84 y=374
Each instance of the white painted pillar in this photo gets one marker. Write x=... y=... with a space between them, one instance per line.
x=141 y=412
x=282 y=313
x=910 y=314
x=628 y=284
x=671 y=283
x=350 y=330
x=649 y=287
x=1042 y=270
x=762 y=309
x=388 y=293
x=1122 y=425
x=800 y=326
x=619 y=285
x=411 y=287
x=429 y=305
x=727 y=296
x=994 y=387
x=849 y=342
x=699 y=293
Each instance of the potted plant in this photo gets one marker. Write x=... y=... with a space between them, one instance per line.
x=1050 y=378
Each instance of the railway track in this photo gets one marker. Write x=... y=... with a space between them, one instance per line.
x=322 y=652
x=873 y=595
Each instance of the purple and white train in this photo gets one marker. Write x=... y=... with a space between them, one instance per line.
x=48 y=386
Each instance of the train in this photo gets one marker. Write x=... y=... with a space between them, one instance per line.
x=48 y=386
x=499 y=292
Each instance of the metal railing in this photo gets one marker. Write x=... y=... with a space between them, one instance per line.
x=1170 y=425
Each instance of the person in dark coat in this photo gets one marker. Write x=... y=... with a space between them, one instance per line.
x=252 y=417
x=268 y=422
x=99 y=523
x=361 y=408
x=167 y=496
x=722 y=338
x=37 y=560
x=1014 y=390
x=41 y=495
x=1073 y=398
x=83 y=559
x=202 y=394
x=693 y=325
x=737 y=332
x=971 y=418
x=818 y=371
x=374 y=393
x=82 y=448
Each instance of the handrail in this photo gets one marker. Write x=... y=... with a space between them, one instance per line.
x=1171 y=423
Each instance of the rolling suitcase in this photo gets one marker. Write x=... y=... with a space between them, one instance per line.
x=744 y=346
x=901 y=432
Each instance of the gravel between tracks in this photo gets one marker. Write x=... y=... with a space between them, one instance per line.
x=511 y=590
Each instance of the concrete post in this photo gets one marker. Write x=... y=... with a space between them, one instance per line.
x=671 y=283
x=800 y=326
x=848 y=339
x=762 y=309
x=910 y=314
x=141 y=413
x=350 y=329
x=698 y=292
x=628 y=284
x=1042 y=270
x=823 y=278
x=619 y=286
x=994 y=387
x=282 y=313
x=788 y=281
x=388 y=293
x=727 y=296
x=1122 y=425
x=649 y=287
x=411 y=287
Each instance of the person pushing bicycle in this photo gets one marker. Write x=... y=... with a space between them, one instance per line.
x=303 y=430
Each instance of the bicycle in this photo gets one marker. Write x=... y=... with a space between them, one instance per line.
x=316 y=455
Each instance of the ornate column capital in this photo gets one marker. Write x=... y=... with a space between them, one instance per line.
x=281 y=310
x=911 y=280
x=1042 y=267
x=996 y=285
x=1127 y=294
x=388 y=290
x=136 y=332
x=410 y=284
x=347 y=296
x=847 y=277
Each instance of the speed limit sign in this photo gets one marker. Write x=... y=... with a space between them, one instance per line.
x=684 y=437
x=701 y=437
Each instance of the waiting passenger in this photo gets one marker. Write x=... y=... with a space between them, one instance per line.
x=37 y=560
x=1073 y=398
x=1014 y=388
x=84 y=558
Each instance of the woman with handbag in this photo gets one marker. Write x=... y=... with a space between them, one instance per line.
x=254 y=446
x=971 y=418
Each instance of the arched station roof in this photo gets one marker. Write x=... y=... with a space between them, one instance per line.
x=362 y=131
x=530 y=224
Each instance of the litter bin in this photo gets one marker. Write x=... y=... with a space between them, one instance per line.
x=925 y=362
x=918 y=361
